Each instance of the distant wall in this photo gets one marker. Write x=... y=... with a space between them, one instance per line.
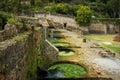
x=98 y=26
x=103 y=28
x=58 y=18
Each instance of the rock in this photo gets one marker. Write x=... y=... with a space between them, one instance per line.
x=107 y=53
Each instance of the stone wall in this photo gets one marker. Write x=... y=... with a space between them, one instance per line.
x=58 y=18
x=103 y=28
x=50 y=51
x=71 y=28
x=9 y=31
x=18 y=56
x=98 y=28
x=19 y=51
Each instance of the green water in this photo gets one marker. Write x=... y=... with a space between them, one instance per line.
x=70 y=70
x=66 y=53
x=61 y=44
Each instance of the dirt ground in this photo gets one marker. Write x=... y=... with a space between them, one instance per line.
x=88 y=56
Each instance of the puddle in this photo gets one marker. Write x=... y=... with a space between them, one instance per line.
x=107 y=43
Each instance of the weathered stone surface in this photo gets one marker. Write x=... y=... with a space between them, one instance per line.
x=9 y=31
x=50 y=50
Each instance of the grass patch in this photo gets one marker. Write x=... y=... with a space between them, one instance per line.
x=115 y=46
x=70 y=70
x=111 y=47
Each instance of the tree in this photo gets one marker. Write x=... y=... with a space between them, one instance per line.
x=84 y=16
x=113 y=8
x=32 y=2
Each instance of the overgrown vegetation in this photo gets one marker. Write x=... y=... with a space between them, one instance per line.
x=7 y=18
x=100 y=8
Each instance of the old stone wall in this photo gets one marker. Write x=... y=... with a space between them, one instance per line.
x=8 y=32
x=98 y=28
x=58 y=18
x=19 y=51
x=50 y=50
x=103 y=28
x=18 y=56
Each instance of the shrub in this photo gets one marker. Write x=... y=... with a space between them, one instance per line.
x=12 y=20
x=4 y=18
x=84 y=16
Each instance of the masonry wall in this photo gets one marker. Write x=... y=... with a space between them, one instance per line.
x=19 y=51
x=103 y=28
x=18 y=56
x=8 y=32
x=98 y=28
x=50 y=51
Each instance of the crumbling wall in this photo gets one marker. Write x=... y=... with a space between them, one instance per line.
x=18 y=56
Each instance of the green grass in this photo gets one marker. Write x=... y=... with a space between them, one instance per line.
x=111 y=47
x=115 y=46
x=101 y=37
x=70 y=70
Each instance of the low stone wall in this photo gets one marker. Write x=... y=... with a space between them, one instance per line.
x=98 y=28
x=103 y=28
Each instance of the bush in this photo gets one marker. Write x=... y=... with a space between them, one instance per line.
x=4 y=18
x=12 y=21
x=84 y=16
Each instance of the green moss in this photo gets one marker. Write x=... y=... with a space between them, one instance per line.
x=20 y=37
x=60 y=44
x=70 y=70
x=32 y=65
x=44 y=62
x=64 y=53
